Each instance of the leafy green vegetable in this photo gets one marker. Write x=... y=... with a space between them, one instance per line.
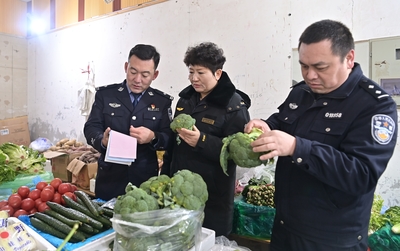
x=21 y=159
x=377 y=220
x=182 y=121
x=237 y=147
x=6 y=173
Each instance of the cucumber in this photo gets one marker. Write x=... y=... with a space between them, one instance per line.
x=61 y=218
x=108 y=212
x=74 y=205
x=87 y=201
x=74 y=214
x=46 y=228
x=62 y=227
x=87 y=228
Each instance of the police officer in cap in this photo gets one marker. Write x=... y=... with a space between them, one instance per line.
x=133 y=108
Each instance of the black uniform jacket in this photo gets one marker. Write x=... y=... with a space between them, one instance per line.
x=113 y=108
x=344 y=140
x=221 y=113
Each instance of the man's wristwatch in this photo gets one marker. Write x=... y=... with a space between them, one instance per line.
x=154 y=140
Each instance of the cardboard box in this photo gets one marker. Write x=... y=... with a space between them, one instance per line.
x=15 y=130
x=59 y=163
x=82 y=173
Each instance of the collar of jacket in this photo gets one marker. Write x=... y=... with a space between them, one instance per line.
x=220 y=95
x=346 y=88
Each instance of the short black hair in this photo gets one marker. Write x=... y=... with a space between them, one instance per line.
x=340 y=36
x=145 y=52
x=205 y=54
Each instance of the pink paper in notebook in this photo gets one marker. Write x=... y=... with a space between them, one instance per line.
x=122 y=145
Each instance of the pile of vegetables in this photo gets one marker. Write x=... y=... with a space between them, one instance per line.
x=185 y=189
x=390 y=216
x=182 y=121
x=237 y=147
x=162 y=214
x=65 y=144
x=259 y=192
x=26 y=201
x=15 y=159
x=79 y=210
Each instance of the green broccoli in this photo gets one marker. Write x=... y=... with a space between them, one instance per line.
x=182 y=121
x=187 y=190
x=155 y=186
x=135 y=200
x=237 y=147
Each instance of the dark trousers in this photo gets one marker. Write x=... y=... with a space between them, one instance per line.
x=283 y=240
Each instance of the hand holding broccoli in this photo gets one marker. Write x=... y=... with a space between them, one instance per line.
x=182 y=121
x=237 y=147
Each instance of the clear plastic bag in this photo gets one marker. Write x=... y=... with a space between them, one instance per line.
x=41 y=144
x=158 y=230
x=224 y=244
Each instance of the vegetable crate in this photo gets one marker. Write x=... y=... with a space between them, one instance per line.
x=251 y=220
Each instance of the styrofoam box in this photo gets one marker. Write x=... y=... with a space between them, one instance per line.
x=41 y=243
x=207 y=242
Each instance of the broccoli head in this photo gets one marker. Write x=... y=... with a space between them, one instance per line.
x=182 y=121
x=187 y=190
x=135 y=200
x=237 y=148
x=155 y=186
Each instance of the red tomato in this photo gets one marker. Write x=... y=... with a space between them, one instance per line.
x=73 y=188
x=69 y=194
x=23 y=191
x=20 y=212
x=57 y=198
x=50 y=187
x=46 y=195
x=3 y=203
x=40 y=185
x=38 y=202
x=55 y=183
x=9 y=209
x=43 y=207
x=27 y=204
x=32 y=211
x=15 y=201
x=34 y=194
x=64 y=187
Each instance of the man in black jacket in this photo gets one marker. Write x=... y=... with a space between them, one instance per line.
x=133 y=108
x=334 y=135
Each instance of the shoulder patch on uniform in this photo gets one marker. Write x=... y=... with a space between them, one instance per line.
x=375 y=90
x=105 y=87
x=382 y=128
x=163 y=94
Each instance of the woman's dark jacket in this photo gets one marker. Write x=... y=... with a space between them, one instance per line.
x=221 y=113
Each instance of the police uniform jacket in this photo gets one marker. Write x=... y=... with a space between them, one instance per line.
x=113 y=108
x=221 y=113
x=344 y=140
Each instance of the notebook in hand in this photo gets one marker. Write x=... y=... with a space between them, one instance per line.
x=121 y=148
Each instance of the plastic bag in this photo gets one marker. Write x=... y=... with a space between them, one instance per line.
x=224 y=244
x=158 y=230
x=384 y=239
x=40 y=144
x=252 y=220
x=7 y=188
